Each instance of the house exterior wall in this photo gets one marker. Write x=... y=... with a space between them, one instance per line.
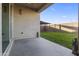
x=0 y=29
x=26 y=22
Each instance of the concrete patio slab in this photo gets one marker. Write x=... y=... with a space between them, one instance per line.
x=38 y=47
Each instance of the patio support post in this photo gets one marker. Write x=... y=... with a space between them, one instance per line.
x=78 y=41
x=78 y=31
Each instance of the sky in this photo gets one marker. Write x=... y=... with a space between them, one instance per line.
x=60 y=13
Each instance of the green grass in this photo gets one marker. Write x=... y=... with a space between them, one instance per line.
x=62 y=38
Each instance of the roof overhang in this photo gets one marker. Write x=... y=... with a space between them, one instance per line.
x=38 y=7
x=45 y=7
x=42 y=22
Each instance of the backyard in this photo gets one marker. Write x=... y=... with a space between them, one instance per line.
x=63 y=38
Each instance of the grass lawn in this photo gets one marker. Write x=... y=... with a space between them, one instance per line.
x=62 y=38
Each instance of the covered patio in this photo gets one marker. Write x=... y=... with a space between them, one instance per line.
x=20 y=34
x=38 y=47
x=19 y=21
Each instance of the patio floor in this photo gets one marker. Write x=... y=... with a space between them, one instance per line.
x=38 y=47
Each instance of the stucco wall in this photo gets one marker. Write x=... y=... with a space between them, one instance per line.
x=26 y=24
x=0 y=30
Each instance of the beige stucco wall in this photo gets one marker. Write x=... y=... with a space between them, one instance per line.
x=0 y=30
x=28 y=23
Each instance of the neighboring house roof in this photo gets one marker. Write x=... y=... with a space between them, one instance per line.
x=42 y=22
x=38 y=7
